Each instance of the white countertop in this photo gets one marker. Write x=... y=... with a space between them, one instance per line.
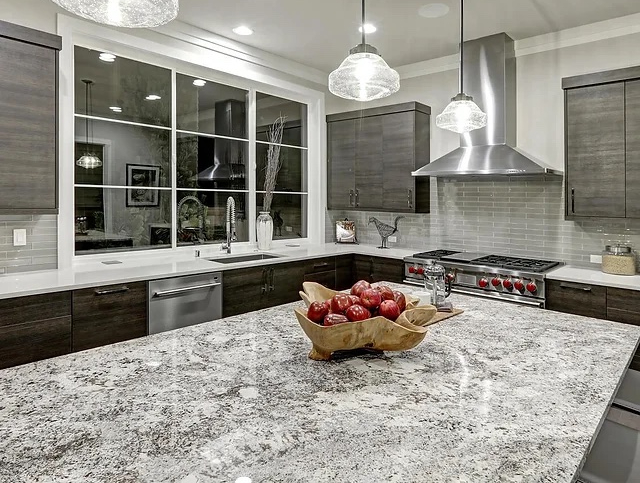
x=595 y=277
x=94 y=273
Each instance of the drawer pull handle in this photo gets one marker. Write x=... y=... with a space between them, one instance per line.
x=177 y=291
x=573 y=200
x=112 y=291
x=575 y=287
x=321 y=265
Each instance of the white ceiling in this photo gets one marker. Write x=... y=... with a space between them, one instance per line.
x=319 y=33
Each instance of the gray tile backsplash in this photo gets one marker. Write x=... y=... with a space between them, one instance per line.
x=41 y=250
x=518 y=216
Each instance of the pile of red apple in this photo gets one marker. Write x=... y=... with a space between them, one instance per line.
x=363 y=303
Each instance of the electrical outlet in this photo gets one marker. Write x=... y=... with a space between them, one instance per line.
x=596 y=258
x=19 y=237
x=288 y=228
x=393 y=239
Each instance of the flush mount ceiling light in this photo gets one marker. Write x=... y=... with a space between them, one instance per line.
x=153 y=97
x=368 y=28
x=364 y=75
x=433 y=10
x=88 y=160
x=462 y=114
x=199 y=82
x=107 y=57
x=124 y=13
x=242 y=30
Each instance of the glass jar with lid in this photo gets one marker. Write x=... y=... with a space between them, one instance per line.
x=619 y=259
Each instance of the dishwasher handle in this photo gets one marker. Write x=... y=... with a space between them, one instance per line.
x=178 y=291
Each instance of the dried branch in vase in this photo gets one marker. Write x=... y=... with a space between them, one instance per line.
x=274 y=163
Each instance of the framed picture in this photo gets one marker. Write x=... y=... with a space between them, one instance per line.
x=147 y=176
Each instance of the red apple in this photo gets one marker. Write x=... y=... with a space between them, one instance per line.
x=340 y=303
x=355 y=300
x=327 y=304
x=357 y=312
x=386 y=292
x=334 y=319
x=360 y=287
x=400 y=299
x=317 y=311
x=370 y=299
x=389 y=309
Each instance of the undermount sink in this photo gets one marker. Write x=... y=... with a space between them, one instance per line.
x=244 y=258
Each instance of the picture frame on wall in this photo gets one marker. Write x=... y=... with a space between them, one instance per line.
x=143 y=176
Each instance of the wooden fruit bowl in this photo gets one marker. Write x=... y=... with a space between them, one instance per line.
x=376 y=333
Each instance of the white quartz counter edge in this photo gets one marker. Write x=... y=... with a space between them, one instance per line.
x=594 y=277
x=96 y=273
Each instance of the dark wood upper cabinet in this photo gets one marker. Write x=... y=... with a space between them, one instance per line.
x=372 y=153
x=595 y=170
x=632 y=110
x=28 y=120
x=602 y=144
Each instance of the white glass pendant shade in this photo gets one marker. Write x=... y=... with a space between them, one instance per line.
x=89 y=161
x=461 y=115
x=124 y=13
x=364 y=76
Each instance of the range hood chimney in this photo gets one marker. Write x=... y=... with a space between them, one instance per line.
x=490 y=77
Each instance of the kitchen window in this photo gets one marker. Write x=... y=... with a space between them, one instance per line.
x=137 y=199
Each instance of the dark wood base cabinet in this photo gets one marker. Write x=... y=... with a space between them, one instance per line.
x=34 y=328
x=607 y=303
x=105 y=315
x=377 y=269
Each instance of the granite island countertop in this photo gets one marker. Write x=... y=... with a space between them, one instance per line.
x=499 y=393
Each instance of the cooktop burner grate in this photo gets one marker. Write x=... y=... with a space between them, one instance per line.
x=435 y=254
x=514 y=263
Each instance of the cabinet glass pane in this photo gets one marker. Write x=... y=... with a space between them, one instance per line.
x=131 y=155
x=121 y=219
x=293 y=173
x=210 y=108
x=268 y=108
x=211 y=163
x=289 y=213
x=202 y=217
x=123 y=89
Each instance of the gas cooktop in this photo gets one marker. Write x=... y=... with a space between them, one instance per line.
x=435 y=254
x=489 y=260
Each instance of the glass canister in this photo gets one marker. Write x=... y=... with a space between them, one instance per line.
x=619 y=260
x=435 y=281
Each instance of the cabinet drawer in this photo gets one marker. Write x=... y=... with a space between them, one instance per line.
x=328 y=278
x=35 y=307
x=623 y=306
x=105 y=315
x=577 y=298
x=320 y=265
x=33 y=341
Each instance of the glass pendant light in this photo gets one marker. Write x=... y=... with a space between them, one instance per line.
x=462 y=114
x=364 y=75
x=124 y=13
x=88 y=160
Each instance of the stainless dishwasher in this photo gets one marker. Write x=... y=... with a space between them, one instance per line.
x=183 y=301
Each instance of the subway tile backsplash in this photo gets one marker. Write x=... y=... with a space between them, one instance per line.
x=41 y=250
x=517 y=216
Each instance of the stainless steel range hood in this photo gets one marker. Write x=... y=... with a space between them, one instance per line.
x=490 y=77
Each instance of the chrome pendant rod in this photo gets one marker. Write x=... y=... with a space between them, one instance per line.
x=363 y=20
x=461 y=46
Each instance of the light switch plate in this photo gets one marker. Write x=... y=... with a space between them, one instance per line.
x=393 y=239
x=596 y=258
x=19 y=237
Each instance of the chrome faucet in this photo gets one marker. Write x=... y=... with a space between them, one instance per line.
x=231 y=224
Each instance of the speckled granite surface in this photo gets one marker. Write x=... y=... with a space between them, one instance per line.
x=499 y=393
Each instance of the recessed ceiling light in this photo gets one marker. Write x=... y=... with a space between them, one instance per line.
x=107 y=57
x=433 y=10
x=368 y=28
x=242 y=30
x=115 y=109
x=199 y=82
x=153 y=97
